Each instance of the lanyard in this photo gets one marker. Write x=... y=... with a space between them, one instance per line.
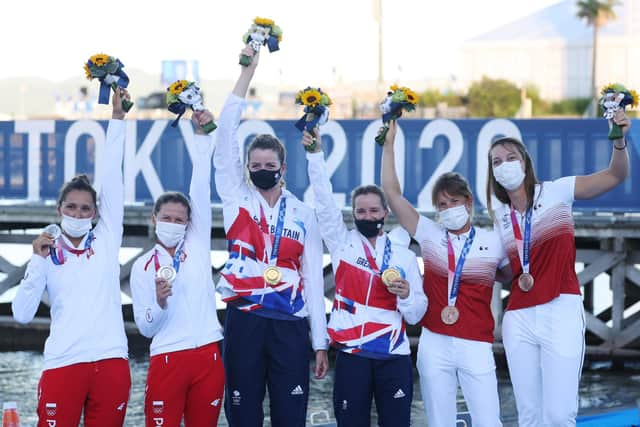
x=57 y=251
x=455 y=270
x=268 y=246
x=178 y=257
x=385 y=257
x=523 y=243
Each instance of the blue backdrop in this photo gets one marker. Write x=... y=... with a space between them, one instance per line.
x=34 y=162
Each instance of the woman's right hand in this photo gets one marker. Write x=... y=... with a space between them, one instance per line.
x=248 y=51
x=163 y=292
x=199 y=119
x=119 y=94
x=310 y=138
x=390 y=138
x=42 y=244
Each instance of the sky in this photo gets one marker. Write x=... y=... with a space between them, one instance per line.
x=334 y=41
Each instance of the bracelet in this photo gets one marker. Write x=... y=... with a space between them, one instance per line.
x=621 y=148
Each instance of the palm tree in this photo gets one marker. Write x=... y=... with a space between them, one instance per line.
x=596 y=13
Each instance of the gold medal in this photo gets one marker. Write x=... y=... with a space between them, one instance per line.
x=272 y=275
x=167 y=273
x=389 y=275
x=525 y=282
x=449 y=315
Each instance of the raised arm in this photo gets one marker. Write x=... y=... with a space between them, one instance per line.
x=590 y=186
x=200 y=189
x=111 y=196
x=227 y=159
x=406 y=214
x=334 y=232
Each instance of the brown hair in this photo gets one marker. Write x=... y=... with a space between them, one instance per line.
x=268 y=142
x=530 y=180
x=368 y=189
x=453 y=184
x=77 y=183
x=172 y=197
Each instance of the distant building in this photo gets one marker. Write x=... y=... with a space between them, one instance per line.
x=552 y=49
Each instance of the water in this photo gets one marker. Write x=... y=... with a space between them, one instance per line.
x=601 y=387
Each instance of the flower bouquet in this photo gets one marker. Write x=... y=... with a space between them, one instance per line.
x=263 y=31
x=398 y=99
x=614 y=97
x=182 y=94
x=109 y=71
x=316 y=110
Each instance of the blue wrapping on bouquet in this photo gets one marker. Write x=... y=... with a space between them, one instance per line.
x=178 y=108
x=105 y=88
x=395 y=111
x=273 y=44
x=308 y=123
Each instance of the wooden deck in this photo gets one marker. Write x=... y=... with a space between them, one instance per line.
x=605 y=244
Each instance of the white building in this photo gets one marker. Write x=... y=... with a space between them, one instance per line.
x=552 y=49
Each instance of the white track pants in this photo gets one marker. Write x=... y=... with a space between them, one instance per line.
x=443 y=361
x=545 y=349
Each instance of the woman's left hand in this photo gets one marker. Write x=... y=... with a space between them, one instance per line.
x=322 y=364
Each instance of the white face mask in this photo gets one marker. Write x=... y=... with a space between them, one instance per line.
x=509 y=174
x=170 y=233
x=454 y=218
x=75 y=227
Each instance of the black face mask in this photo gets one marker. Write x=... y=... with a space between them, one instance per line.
x=265 y=179
x=369 y=228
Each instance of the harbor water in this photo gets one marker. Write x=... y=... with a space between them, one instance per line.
x=601 y=387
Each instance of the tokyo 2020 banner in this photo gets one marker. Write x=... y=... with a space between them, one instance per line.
x=37 y=156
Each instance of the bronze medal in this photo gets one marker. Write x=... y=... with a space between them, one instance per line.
x=272 y=275
x=389 y=275
x=167 y=273
x=525 y=282
x=449 y=315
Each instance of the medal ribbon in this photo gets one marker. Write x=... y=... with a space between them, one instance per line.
x=271 y=248
x=523 y=243
x=386 y=256
x=57 y=251
x=455 y=270
x=177 y=258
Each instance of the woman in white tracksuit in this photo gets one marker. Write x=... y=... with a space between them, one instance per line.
x=367 y=322
x=85 y=356
x=460 y=266
x=174 y=301
x=543 y=328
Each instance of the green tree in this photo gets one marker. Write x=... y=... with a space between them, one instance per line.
x=596 y=13
x=493 y=98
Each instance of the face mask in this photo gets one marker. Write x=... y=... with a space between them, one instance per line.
x=369 y=228
x=75 y=227
x=170 y=233
x=509 y=174
x=265 y=179
x=454 y=218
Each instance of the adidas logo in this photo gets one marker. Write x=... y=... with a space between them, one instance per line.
x=399 y=394
x=297 y=391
